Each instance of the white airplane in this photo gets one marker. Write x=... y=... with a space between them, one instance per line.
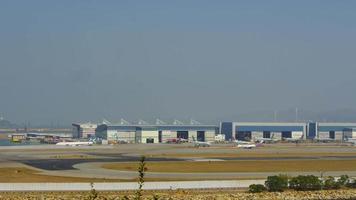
x=247 y=146
x=294 y=139
x=199 y=143
x=240 y=141
x=267 y=140
x=244 y=144
x=182 y=140
x=75 y=143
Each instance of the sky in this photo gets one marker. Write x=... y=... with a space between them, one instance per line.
x=73 y=61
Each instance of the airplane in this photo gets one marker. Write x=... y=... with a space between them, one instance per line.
x=267 y=140
x=245 y=144
x=74 y=143
x=199 y=143
x=182 y=140
x=240 y=142
x=177 y=140
x=294 y=139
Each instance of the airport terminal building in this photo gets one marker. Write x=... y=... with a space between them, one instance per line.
x=258 y=130
x=279 y=131
x=335 y=131
x=155 y=133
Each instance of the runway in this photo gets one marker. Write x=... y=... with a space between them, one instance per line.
x=168 y=185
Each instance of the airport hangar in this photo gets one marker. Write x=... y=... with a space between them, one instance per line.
x=156 y=133
x=279 y=131
x=83 y=130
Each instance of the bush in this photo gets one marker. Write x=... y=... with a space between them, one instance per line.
x=305 y=183
x=257 y=188
x=331 y=183
x=343 y=180
x=351 y=183
x=277 y=183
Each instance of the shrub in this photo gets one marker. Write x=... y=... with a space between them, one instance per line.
x=277 y=183
x=351 y=183
x=257 y=188
x=155 y=197
x=331 y=183
x=343 y=180
x=305 y=183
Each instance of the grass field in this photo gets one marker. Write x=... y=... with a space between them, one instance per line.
x=24 y=175
x=241 y=166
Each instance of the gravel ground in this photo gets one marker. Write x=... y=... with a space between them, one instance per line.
x=193 y=195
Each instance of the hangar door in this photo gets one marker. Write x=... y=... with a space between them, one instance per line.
x=332 y=134
x=159 y=136
x=243 y=135
x=182 y=134
x=201 y=136
x=286 y=134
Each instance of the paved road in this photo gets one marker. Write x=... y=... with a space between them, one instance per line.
x=127 y=186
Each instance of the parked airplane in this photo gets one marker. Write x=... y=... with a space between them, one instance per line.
x=240 y=142
x=74 y=143
x=199 y=143
x=244 y=144
x=267 y=140
x=294 y=139
x=177 y=140
x=247 y=146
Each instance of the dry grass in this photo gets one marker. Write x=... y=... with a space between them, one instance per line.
x=241 y=166
x=24 y=175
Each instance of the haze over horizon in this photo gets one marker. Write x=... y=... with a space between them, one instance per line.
x=70 y=61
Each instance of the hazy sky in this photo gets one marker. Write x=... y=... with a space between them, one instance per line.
x=65 y=61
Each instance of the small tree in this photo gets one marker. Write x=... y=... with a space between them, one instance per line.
x=305 y=183
x=343 y=180
x=276 y=183
x=141 y=177
x=331 y=183
x=93 y=193
x=351 y=183
x=257 y=188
